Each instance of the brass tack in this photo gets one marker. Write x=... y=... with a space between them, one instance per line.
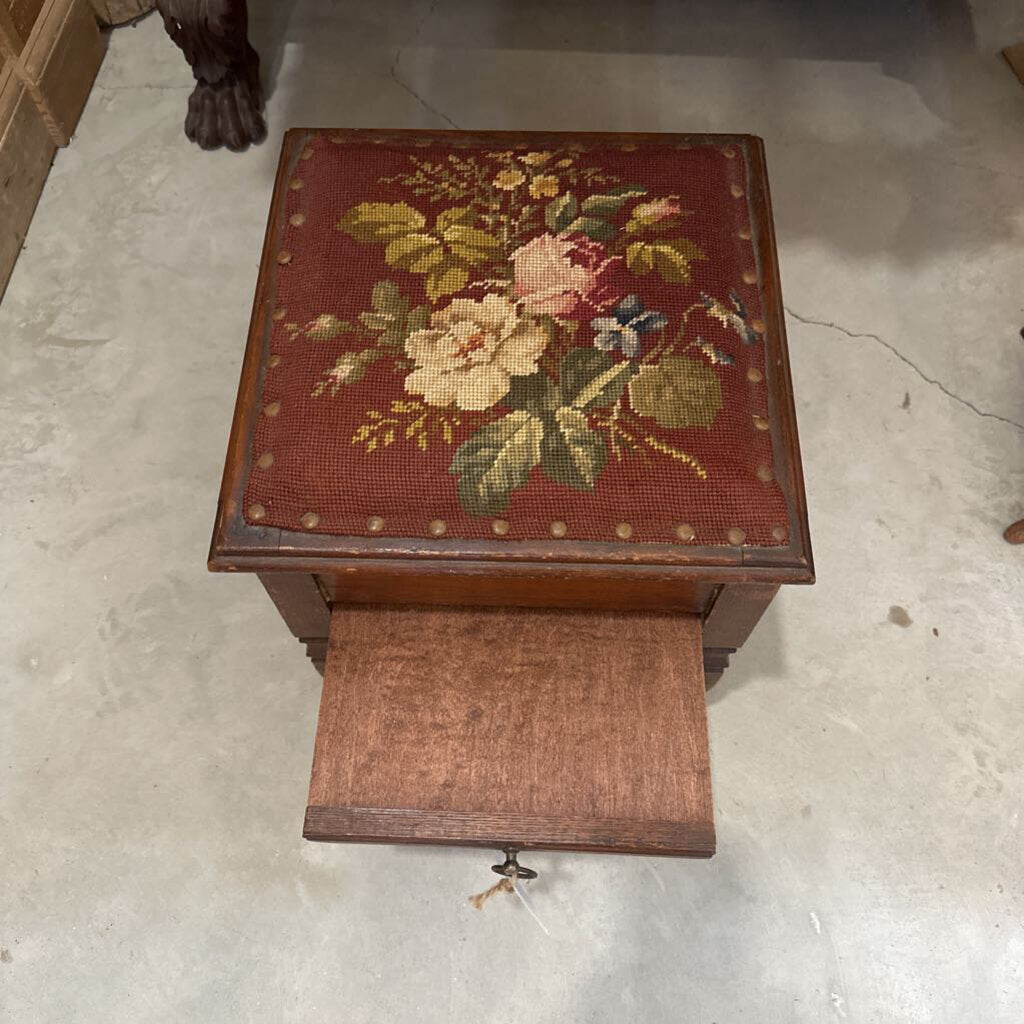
x=265 y=461
x=761 y=423
x=375 y=524
x=754 y=375
x=758 y=325
x=744 y=233
x=295 y=184
x=273 y=361
x=500 y=527
x=750 y=277
x=684 y=531
x=765 y=473
x=279 y=314
x=737 y=191
x=257 y=511
x=310 y=520
x=272 y=409
x=437 y=527
x=728 y=152
x=629 y=147
x=284 y=256
x=337 y=138
x=559 y=529
x=297 y=220
x=623 y=531
x=736 y=536
x=307 y=152
x=779 y=533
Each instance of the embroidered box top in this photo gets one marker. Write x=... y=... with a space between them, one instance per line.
x=534 y=347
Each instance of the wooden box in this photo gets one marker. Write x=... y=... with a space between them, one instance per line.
x=515 y=452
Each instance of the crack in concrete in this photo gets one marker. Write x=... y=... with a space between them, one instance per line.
x=396 y=60
x=909 y=362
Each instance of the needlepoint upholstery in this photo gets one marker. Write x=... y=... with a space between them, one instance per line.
x=529 y=338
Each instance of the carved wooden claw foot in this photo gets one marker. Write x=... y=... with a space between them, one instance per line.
x=225 y=114
x=226 y=106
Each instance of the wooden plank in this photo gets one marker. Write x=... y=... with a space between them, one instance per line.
x=60 y=61
x=26 y=152
x=545 y=729
x=1015 y=58
x=22 y=14
x=11 y=39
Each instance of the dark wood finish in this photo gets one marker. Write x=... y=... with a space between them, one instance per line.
x=735 y=612
x=304 y=608
x=580 y=730
x=226 y=106
x=716 y=661
x=455 y=828
x=238 y=546
x=513 y=586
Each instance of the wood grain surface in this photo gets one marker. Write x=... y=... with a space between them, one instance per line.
x=580 y=730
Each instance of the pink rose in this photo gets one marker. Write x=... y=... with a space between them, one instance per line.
x=569 y=277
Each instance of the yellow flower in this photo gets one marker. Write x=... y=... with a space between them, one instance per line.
x=535 y=159
x=509 y=179
x=562 y=164
x=544 y=185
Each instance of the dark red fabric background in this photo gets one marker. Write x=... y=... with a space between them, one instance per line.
x=317 y=469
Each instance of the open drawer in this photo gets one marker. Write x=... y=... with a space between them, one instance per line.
x=498 y=727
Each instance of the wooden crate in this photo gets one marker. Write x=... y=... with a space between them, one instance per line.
x=52 y=50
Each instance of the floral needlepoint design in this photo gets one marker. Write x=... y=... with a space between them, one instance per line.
x=519 y=327
x=624 y=329
x=471 y=351
x=565 y=277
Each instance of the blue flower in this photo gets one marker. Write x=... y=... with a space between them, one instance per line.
x=624 y=329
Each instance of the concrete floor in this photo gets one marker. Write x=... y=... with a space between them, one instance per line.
x=156 y=722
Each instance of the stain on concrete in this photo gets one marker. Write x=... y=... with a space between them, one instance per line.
x=898 y=616
x=5 y=956
x=906 y=400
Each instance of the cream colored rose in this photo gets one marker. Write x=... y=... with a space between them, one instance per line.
x=471 y=351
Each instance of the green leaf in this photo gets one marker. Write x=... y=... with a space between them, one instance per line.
x=639 y=258
x=456 y=215
x=602 y=205
x=474 y=238
x=326 y=326
x=418 y=319
x=386 y=298
x=495 y=461
x=571 y=451
x=377 y=321
x=561 y=212
x=381 y=222
x=446 y=279
x=591 y=379
x=672 y=259
x=535 y=393
x=416 y=252
x=592 y=227
x=677 y=392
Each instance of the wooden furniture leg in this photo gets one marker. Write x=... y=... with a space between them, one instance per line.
x=730 y=620
x=304 y=610
x=226 y=106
